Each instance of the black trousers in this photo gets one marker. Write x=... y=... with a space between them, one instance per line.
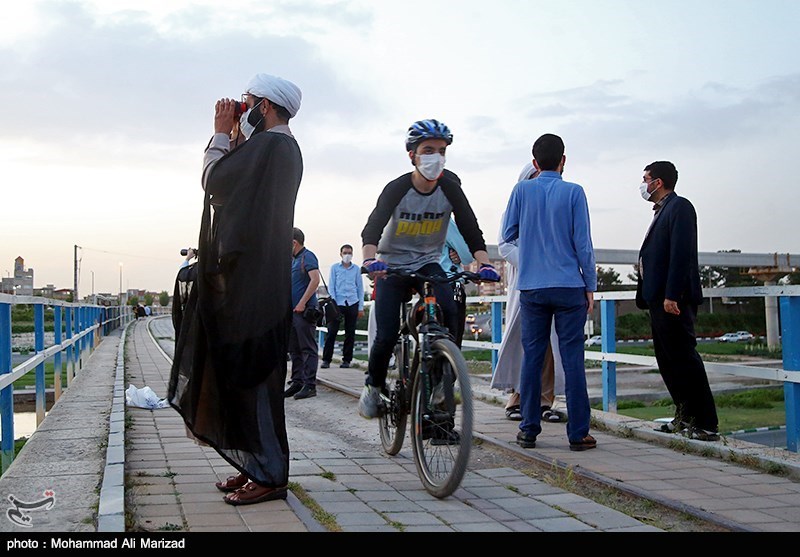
x=350 y=316
x=681 y=367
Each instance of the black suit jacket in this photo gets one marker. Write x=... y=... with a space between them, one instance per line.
x=669 y=257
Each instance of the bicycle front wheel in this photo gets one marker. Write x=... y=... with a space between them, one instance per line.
x=441 y=420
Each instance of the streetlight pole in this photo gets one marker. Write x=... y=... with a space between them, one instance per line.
x=120 y=283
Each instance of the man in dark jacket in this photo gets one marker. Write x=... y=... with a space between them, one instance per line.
x=669 y=287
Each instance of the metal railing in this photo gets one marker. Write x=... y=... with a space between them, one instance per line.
x=789 y=374
x=77 y=329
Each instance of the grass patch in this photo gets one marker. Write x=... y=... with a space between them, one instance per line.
x=325 y=518
x=736 y=411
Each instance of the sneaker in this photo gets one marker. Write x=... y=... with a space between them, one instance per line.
x=292 y=390
x=306 y=392
x=526 y=441
x=444 y=437
x=325 y=365
x=702 y=434
x=344 y=364
x=584 y=444
x=369 y=405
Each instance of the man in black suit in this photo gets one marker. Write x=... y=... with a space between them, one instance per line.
x=669 y=287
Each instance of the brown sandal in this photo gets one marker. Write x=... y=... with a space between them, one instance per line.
x=232 y=483
x=254 y=493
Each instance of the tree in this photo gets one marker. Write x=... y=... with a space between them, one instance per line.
x=148 y=299
x=163 y=298
x=133 y=301
x=607 y=279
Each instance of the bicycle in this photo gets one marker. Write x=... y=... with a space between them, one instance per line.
x=433 y=387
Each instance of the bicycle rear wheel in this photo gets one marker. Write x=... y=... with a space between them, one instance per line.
x=441 y=420
x=392 y=423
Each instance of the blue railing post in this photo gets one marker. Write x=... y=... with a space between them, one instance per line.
x=38 y=345
x=7 y=394
x=70 y=359
x=497 y=330
x=790 y=340
x=57 y=336
x=608 y=343
x=321 y=336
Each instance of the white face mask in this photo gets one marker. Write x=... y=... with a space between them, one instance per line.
x=431 y=166
x=347 y=258
x=643 y=190
x=245 y=127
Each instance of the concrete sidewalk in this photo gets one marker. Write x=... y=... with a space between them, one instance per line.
x=725 y=482
x=168 y=479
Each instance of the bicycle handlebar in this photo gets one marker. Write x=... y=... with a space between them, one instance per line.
x=470 y=276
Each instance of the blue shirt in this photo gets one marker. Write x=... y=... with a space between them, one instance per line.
x=346 y=286
x=455 y=241
x=549 y=219
x=302 y=263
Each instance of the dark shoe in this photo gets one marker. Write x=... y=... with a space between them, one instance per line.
x=325 y=365
x=293 y=390
x=306 y=392
x=344 y=364
x=701 y=434
x=584 y=444
x=526 y=441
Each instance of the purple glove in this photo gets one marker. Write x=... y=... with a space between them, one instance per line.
x=375 y=266
x=488 y=273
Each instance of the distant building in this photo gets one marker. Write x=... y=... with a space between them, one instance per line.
x=22 y=281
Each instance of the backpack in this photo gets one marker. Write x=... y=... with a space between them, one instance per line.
x=328 y=309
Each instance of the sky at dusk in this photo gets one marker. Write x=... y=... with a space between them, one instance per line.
x=106 y=108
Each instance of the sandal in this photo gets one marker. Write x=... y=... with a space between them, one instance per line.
x=513 y=413
x=253 y=493
x=232 y=483
x=552 y=416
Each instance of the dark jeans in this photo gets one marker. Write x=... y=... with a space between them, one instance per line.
x=350 y=315
x=303 y=350
x=681 y=366
x=537 y=310
x=392 y=292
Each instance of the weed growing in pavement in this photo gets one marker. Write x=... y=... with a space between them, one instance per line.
x=563 y=478
x=329 y=476
x=322 y=516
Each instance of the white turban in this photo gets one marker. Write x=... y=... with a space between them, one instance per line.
x=278 y=90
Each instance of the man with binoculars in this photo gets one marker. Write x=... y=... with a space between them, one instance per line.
x=230 y=356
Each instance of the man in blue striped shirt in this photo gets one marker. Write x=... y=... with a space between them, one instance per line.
x=346 y=287
x=549 y=219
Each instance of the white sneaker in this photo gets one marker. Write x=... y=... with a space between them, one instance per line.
x=369 y=405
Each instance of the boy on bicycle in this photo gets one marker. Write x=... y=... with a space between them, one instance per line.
x=407 y=231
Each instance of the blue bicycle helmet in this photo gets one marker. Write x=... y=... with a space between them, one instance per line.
x=427 y=129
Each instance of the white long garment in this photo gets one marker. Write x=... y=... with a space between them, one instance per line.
x=509 y=358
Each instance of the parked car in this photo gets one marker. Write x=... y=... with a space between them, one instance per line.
x=743 y=336
x=596 y=340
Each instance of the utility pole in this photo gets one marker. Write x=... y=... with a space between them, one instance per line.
x=75 y=277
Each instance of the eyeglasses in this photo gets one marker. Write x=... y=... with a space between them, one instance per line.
x=256 y=100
